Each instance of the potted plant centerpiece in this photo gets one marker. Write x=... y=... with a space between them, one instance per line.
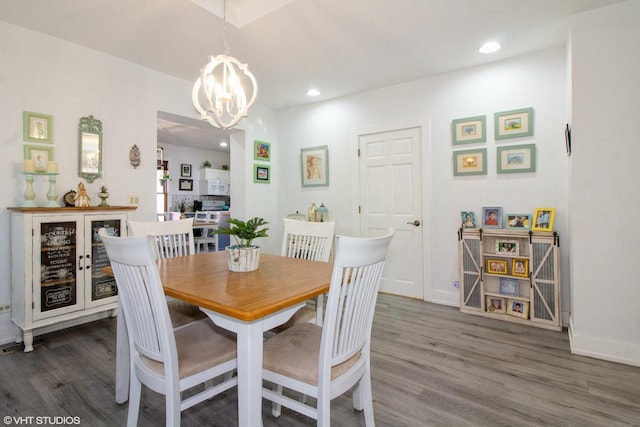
x=243 y=256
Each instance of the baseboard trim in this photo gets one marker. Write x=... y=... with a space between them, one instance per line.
x=602 y=348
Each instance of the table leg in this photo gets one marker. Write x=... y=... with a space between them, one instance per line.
x=250 y=374
x=122 y=358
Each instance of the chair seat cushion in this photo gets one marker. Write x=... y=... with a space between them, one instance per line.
x=201 y=345
x=295 y=354
x=182 y=313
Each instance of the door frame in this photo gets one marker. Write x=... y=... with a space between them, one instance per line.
x=424 y=124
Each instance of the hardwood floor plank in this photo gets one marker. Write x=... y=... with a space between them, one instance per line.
x=431 y=366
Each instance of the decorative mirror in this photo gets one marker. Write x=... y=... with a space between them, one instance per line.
x=90 y=148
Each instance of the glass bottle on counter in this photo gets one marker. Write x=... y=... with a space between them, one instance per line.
x=313 y=213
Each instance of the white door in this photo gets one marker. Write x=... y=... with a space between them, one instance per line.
x=391 y=196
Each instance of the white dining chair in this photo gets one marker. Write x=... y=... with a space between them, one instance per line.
x=165 y=360
x=325 y=362
x=206 y=236
x=171 y=238
x=312 y=241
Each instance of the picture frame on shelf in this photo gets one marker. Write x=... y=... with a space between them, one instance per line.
x=507 y=247
x=185 y=170
x=513 y=123
x=261 y=174
x=543 y=219
x=314 y=166
x=261 y=151
x=491 y=217
x=185 y=185
x=37 y=127
x=497 y=266
x=518 y=308
x=520 y=267
x=468 y=219
x=508 y=287
x=470 y=162
x=40 y=154
x=516 y=159
x=469 y=130
x=495 y=304
x=517 y=221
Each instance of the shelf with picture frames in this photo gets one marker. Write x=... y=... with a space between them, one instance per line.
x=511 y=275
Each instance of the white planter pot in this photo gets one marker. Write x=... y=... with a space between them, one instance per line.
x=243 y=259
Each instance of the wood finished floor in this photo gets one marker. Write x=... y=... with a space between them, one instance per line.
x=431 y=366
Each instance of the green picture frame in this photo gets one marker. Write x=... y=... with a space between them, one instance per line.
x=516 y=159
x=261 y=174
x=513 y=123
x=262 y=151
x=314 y=166
x=37 y=127
x=469 y=130
x=40 y=154
x=470 y=162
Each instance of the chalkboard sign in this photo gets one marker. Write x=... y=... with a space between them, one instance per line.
x=58 y=285
x=102 y=286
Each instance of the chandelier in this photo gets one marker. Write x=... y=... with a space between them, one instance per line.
x=218 y=94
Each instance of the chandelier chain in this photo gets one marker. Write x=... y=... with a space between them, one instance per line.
x=227 y=49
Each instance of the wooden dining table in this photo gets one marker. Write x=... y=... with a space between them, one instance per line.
x=247 y=303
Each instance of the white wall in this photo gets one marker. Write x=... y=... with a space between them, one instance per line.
x=605 y=319
x=46 y=75
x=537 y=80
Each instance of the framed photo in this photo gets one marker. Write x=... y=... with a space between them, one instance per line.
x=262 y=174
x=185 y=170
x=520 y=267
x=262 y=151
x=543 y=219
x=314 y=164
x=470 y=162
x=492 y=217
x=517 y=158
x=469 y=130
x=495 y=304
x=497 y=266
x=185 y=185
x=507 y=247
x=37 y=127
x=159 y=156
x=517 y=221
x=468 y=219
x=508 y=287
x=513 y=123
x=518 y=308
x=40 y=154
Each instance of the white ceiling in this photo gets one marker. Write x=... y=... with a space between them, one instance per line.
x=340 y=47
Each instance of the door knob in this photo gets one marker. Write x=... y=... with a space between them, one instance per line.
x=416 y=223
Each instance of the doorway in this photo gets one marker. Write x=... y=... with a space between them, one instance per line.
x=391 y=193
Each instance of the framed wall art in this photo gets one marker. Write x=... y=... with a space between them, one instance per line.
x=40 y=154
x=185 y=170
x=513 y=123
x=520 y=267
x=543 y=219
x=495 y=304
x=491 y=217
x=262 y=151
x=517 y=221
x=261 y=174
x=517 y=158
x=470 y=162
x=469 y=130
x=314 y=164
x=497 y=266
x=37 y=127
x=185 y=185
x=518 y=308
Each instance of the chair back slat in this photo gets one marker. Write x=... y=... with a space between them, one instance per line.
x=141 y=295
x=170 y=238
x=308 y=240
x=353 y=292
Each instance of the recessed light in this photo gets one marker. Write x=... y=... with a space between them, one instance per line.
x=489 y=47
x=313 y=92
x=223 y=144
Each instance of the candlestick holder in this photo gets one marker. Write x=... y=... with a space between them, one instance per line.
x=52 y=195
x=29 y=193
